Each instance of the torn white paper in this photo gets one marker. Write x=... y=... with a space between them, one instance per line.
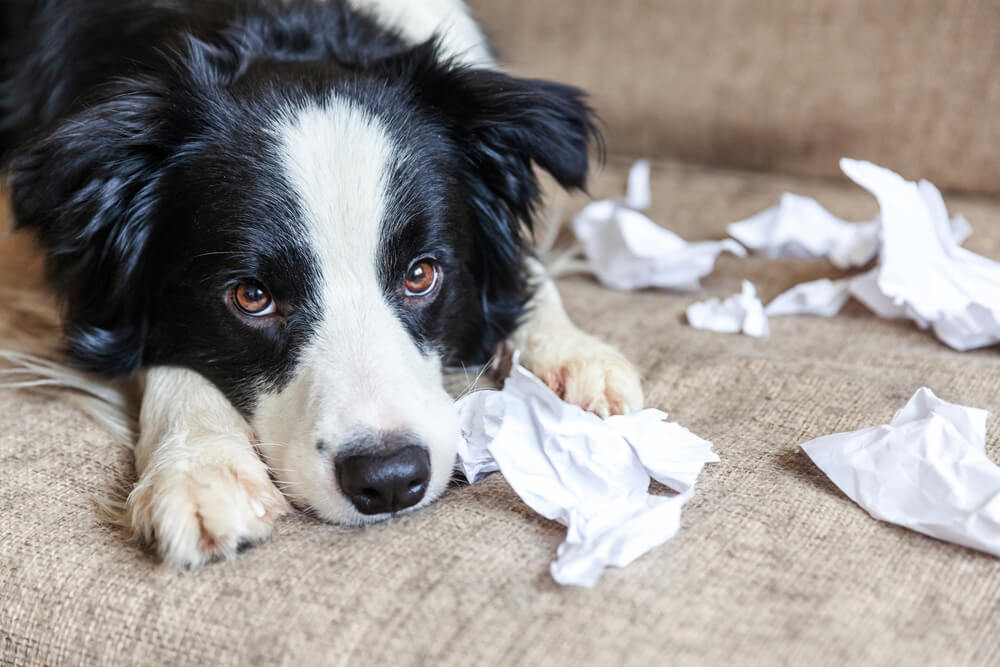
x=922 y=269
x=638 y=196
x=819 y=297
x=591 y=475
x=799 y=227
x=927 y=470
x=922 y=272
x=741 y=312
x=626 y=250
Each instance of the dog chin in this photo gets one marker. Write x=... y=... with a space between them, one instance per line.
x=350 y=517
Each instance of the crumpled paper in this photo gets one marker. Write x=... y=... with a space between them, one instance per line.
x=926 y=470
x=799 y=227
x=591 y=475
x=819 y=297
x=626 y=250
x=741 y=312
x=922 y=272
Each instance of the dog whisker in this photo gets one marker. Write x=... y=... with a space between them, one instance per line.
x=471 y=387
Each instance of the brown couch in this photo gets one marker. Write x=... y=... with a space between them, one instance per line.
x=736 y=101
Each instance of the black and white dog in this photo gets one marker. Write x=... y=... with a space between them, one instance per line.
x=290 y=216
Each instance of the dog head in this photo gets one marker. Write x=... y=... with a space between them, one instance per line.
x=316 y=232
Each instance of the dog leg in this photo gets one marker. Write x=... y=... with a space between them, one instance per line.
x=577 y=366
x=202 y=490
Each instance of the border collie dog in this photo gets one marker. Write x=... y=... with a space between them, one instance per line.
x=288 y=218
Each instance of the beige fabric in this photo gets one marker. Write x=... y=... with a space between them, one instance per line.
x=772 y=565
x=786 y=85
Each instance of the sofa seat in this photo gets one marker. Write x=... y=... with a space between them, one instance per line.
x=772 y=563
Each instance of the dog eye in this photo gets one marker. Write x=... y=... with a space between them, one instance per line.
x=253 y=299
x=422 y=277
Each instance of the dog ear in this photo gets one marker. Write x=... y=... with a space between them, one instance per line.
x=506 y=123
x=502 y=126
x=88 y=187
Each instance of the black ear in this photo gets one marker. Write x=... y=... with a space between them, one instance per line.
x=502 y=126
x=505 y=125
x=89 y=187
x=511 y=120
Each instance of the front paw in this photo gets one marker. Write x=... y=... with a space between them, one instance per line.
x=584 y=371
x=203 y=507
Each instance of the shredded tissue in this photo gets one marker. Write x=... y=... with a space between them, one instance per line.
x=926 y=470
x=799 y=227
x=741 y=312
x=591 y=475
x=626 y=250
x=922 y=272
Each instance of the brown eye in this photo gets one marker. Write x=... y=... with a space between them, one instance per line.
x=422 y=277
x=253 y=299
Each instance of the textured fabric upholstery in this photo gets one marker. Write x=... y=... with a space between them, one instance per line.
x=772 y=564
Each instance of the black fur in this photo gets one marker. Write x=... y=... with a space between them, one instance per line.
x=136 y=135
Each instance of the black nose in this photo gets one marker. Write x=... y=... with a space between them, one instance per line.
x=385 y=483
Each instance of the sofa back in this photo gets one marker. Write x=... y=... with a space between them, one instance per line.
x=780 y=85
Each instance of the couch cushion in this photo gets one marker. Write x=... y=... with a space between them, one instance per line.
x=772 y=560
x=786 y=86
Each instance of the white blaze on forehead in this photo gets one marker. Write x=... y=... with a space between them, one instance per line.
x=360 y=372
x=361 y=367
x=338 y=158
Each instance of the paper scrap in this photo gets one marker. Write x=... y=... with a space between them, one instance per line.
x=638 y=195
x=799 y=227
x=926 y=470
x=820 y=297
x=741 y=312
x=922 y=272
x=591 y=475
x=626 y=250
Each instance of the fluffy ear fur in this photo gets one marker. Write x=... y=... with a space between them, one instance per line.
x=88 y=187
x=502 y=126
x=506 y=124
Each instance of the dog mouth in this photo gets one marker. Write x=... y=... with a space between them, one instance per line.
x=359 y=520
x=363 y=470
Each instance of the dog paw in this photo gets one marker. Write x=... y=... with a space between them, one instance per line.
x=587 y=372
x=205 y=506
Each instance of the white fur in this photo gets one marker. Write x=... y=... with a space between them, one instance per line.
x=202 y=488
x=418 y=20
x=361 y=372
x=577 y=366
